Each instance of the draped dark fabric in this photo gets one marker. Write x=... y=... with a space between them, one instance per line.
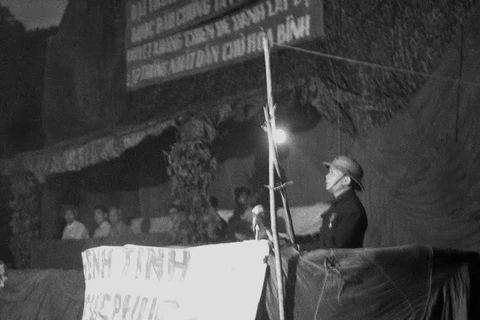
x=423 y=168
x=42 y=295
x=410 y=282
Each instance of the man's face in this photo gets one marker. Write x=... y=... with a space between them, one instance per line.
x=114 y=215
x=243 y=198
x=334 y=180
x=69 y=216
x=98 y=216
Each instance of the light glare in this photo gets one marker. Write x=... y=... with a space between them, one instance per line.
x=279 y=136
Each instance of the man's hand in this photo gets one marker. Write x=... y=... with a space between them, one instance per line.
x=240 y=236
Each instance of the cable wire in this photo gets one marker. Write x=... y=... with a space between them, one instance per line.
x=377 y=66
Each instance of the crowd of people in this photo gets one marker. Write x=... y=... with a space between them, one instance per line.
x=343 y=224
x=109 y=223
x=213 y=227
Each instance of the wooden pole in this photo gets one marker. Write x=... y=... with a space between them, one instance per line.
x=270 y=124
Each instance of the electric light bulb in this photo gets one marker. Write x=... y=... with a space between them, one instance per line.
x=279 y=136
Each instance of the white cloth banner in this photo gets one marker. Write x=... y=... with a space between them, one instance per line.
x=223 y=281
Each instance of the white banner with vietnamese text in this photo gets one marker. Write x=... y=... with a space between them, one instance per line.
x=223 y=281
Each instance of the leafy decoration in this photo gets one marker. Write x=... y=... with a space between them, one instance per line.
x=25 y=221
x=191 y=168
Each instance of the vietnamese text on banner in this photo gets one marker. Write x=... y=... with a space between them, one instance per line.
x=212 y=282
x=168 y=39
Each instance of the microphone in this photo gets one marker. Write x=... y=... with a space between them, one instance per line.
x=257 y=220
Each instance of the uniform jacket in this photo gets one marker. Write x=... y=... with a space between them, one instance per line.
x=343 y=225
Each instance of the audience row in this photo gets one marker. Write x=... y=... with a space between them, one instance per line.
x=109 y=223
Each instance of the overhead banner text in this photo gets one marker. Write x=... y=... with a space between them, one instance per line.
x=169 y=39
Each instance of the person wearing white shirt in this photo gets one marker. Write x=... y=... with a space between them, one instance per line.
x=100 y=216
x=74 y=228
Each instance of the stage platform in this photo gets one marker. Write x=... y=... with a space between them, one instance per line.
x=410 y=282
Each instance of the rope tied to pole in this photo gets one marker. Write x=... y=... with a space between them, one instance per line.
x=281 y=186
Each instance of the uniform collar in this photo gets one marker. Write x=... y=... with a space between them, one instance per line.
x=347 y=194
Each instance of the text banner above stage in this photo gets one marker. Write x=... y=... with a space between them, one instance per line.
x=213 y=282
x=168 y=39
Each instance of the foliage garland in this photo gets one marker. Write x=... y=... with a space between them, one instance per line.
x=25 y=221
x=191 y=168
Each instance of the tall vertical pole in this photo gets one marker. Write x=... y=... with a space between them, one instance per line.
x=270 y=124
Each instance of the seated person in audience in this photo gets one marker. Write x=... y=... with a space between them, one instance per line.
x=118 y=227
x=181 y=229
x=216 y=226
x=100 y=216
x=74 y=228
x=239 y=226
x=145 y=225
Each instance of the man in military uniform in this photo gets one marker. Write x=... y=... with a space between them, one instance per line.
x=345 y=222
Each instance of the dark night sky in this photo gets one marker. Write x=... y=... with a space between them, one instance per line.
x=37 y=13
